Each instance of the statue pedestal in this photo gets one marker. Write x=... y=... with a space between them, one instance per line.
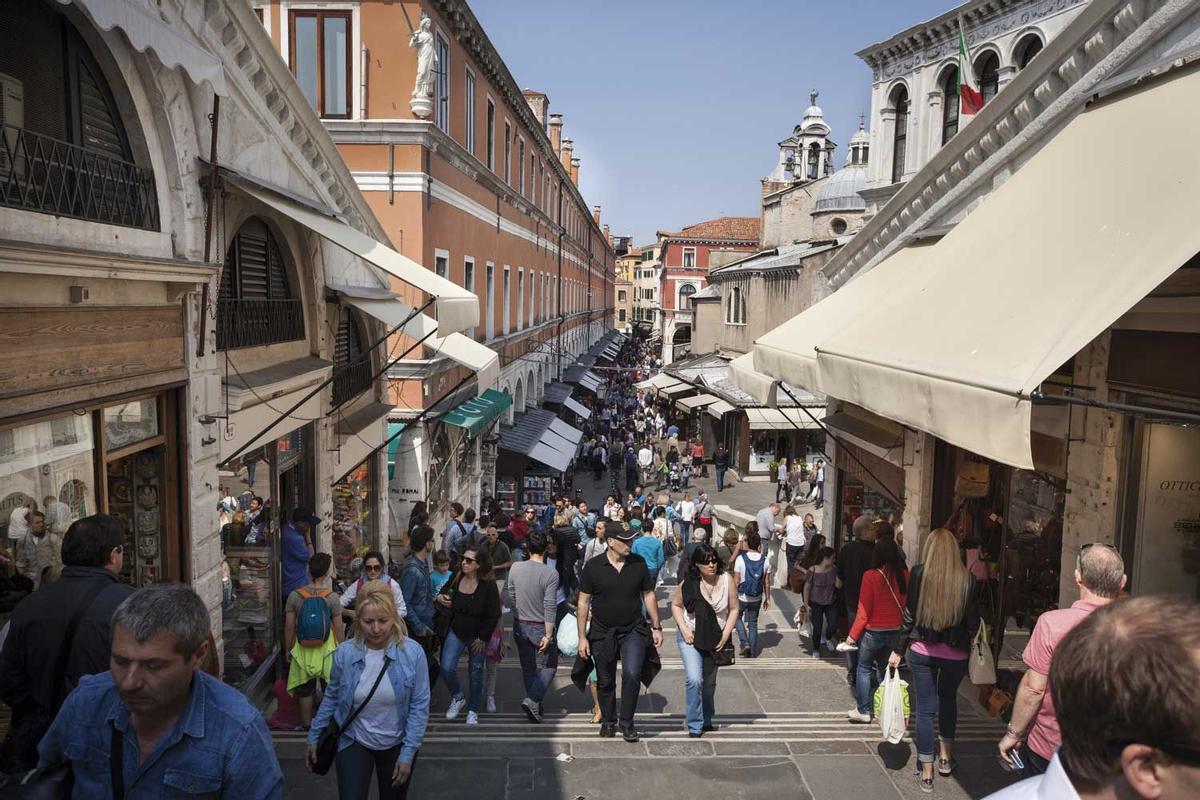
x=422 y=107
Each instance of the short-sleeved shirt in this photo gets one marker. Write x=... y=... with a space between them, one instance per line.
x=739 y=569
x=1051 y=627
x=499 y=553
x=766 y=523
x=616 y=596
x=294 y=602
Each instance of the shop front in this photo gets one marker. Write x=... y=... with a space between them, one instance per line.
x=779 y=433
x=119 y=457
x=866 y=485
x=535 y=460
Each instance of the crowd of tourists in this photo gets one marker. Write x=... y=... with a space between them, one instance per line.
x=117 y=688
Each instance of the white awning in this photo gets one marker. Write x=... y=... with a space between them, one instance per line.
x=555 y=459
x=676 y=388
x=149 y=31
x=583 y=411
x=783 y=419
x=589 y=381
x=719 y=409
x=1049 y=261
x=457 y=347
x=572 y=434
x=457 y=308
x=699 y=401
x=744 y=376
x=657 y=381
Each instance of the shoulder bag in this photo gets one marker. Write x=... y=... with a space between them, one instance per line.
x=327 y=744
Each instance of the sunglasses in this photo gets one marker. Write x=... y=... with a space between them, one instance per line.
x=469 y=560
x=1083 y=547
x=708 y=562
x=373 y=567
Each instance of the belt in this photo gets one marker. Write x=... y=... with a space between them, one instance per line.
x=531 y=622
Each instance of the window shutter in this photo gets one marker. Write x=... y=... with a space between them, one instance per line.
x=342 y=345
x=252 y=261
x=277 y=273
x=99 y=126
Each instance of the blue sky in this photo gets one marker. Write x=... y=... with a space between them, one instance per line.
x=676 y=107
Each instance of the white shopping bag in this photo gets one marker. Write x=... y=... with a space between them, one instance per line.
x=568 y=636
x=892 y=706
x=982 y=667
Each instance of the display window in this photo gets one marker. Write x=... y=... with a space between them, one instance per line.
x=1166 y=541
x=354 y=521
x=117 y=458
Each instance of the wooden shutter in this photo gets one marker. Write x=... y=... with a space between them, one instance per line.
x=252 y=261
x=96 y=124
x=277 y=281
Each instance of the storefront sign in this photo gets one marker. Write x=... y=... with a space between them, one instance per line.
x=1168 y=535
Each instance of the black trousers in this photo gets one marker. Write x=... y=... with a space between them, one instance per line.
x=631 y=649
x=355 y=766
x=432 y=648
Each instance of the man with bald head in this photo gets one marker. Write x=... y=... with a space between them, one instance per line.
x=1100 y=576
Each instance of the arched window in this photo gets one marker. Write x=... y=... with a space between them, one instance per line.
x=900 y=134
x=1027 y=48
x=519 y=396
x=735 y=310
x=987 y=70
x=685 y=296
x=950 y=100
x=256 y=305
x=814 y=161
x=351 y=371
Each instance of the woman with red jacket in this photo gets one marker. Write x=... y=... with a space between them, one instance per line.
x=880 y=613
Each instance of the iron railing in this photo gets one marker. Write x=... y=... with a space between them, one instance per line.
x=351 y=381
x=40 y=173
x=252 y=323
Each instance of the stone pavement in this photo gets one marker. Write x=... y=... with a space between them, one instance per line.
x=783 y=734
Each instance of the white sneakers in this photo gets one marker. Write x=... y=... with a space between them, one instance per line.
x=854 y=715
x=456 y=706
x=472 y=718
x=491 y=704
x=846 y=647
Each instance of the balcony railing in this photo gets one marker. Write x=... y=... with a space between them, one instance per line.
x=350 y=382
x=253 y=323
x=39 y=173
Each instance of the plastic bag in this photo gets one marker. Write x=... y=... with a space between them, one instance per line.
x=982 y=667
x=892 y=706
x=567 y=637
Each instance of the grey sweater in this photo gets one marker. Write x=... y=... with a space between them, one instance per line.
x=531 y=591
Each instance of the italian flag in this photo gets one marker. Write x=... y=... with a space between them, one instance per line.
x=970 y=99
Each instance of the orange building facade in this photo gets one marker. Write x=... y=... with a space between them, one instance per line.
x=483 y=190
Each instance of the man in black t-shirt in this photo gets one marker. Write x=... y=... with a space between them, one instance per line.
x=852 y=563
x=615 y=587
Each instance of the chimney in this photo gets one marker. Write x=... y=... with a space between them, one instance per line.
x=539 y=103
x=567 y=150
x=607 y=233
x=596 y=214
x=575 y=171
x=556 y=133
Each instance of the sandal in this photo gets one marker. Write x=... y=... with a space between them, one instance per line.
x=596 y=718
x=945 y=766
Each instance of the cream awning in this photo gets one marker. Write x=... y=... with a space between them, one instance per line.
x=719 y=409
x=1043 y=266
x=699 y=401
x=147 y=30
x=581 y=410
x=657 y=381
x=678 y=387
x=744 y=376
x=782 y=419
x=457 y=347
x=457 y=308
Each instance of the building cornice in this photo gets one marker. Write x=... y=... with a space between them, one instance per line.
x=1042 y=98
x=37 y=259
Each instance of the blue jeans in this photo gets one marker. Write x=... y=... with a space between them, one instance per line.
x=937 y=681
x=824 y=624
x=451 y=652
x=747 y=625
x=356 y=765
x=873 y=652
x=700 y=679
x=536 y=668
x=685 y=532
x=720 y=479
x=851 y=655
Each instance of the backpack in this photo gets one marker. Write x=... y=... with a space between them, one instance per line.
x=752 y=584
x=314 y=621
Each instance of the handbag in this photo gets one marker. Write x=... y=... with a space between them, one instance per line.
x=726 y=656
x=982 y=667
x=972 y=479
x=327 y=744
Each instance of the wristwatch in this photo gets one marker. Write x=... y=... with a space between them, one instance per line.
x=656 y=628
x=1013 y=732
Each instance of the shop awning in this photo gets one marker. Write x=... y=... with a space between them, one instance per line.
x=699 y=401
x=393 y=448
x=676 y=389
x=457 y=308
x=148 y=31
x=360 y=434
x=478 y=413
x=458 y=347
x=719 y=409
x=557 y=393
x=532 y=434
x=583 y=411
x=782 y=419
x=885 y=440
x=657 y=381
x=1043 y=266
x=551 y=457
x=589 y=381
x=744 y=376
x=569 y=432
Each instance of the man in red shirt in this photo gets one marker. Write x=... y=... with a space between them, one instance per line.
x=1100 y=576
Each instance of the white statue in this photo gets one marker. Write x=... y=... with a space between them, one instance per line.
x=422 y=96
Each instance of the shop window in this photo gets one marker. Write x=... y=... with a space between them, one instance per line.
x=950 y=101
x=320 y=59
x=354 y=522
x=351 y=369
x=64 y=149
x=1166 y=511
x=256 y=305
x=900 y=134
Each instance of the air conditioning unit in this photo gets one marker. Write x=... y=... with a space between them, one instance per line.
x=12 y=118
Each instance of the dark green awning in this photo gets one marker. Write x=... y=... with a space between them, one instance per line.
x=478 y=412
x=393 y=447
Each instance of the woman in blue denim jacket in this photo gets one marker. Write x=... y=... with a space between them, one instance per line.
x=385 y=735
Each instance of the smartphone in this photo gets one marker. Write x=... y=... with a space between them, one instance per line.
x=1016 y=759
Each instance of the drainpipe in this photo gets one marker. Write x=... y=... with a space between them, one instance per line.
x=208 y=219
x=558 y=293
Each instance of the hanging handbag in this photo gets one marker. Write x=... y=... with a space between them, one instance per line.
x=726 y=656
x=327 y=744
x=972 y=479
x=982 y=667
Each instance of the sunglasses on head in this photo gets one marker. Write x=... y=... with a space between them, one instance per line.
x=1083 y=547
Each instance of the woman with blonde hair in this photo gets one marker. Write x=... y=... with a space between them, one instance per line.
x=382 y=722
x=940 y=619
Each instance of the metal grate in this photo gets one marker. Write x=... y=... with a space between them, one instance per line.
x=255 y=322
x=39 y=173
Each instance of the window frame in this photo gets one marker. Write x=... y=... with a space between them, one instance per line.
x=684 y=257
x=469 y=115
x=506 y=317
x=521 y=164
x=520 y=298
x=441 y=263
x=491 y=134
x=991 y=87
x=441 y=83
x=508 y=136
x=490 y=288
x=900 y=133
x=468 y=283
x=320 y=14
x=949 y=80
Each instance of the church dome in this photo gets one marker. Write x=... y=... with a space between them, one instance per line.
x=860 y=136
x=813 y=115
x=840 y=191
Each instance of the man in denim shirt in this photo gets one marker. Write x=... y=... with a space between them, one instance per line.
x=414 y=584
x=182 y=731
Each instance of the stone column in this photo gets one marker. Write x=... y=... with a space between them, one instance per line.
x=933 y=131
